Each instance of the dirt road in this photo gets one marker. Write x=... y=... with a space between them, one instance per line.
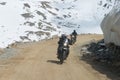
x=37 y=61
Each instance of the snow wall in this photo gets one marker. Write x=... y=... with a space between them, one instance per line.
x=111 y=25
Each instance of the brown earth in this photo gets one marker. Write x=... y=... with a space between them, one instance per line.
x=1 y=51
x=37 y=61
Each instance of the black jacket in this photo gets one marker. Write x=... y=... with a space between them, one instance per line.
x=74 y=33
x=61 y=41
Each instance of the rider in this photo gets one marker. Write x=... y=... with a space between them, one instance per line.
x=75 y=34
x=60 y=44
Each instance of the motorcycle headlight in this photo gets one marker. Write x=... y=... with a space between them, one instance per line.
x=65 y=44
x=72 y=36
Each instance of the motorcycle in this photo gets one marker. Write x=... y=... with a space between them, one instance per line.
x=63 y=52
x=73 y=39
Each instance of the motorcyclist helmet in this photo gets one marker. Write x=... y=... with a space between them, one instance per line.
x=63 y=36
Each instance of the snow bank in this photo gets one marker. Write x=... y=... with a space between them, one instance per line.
x=33 y=20
x=111 y=25
x=24 y=20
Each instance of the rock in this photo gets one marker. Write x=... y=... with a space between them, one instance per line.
x=100 y=50
x=84 y=49
x=102 y=44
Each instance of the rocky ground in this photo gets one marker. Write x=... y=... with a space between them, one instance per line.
x=96 y=52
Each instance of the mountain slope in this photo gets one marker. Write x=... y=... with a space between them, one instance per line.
x=34 y=20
